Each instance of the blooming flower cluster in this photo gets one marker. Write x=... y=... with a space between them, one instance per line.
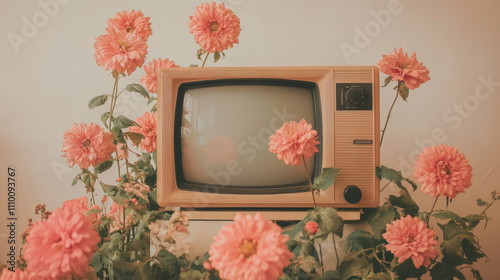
x=293 y=141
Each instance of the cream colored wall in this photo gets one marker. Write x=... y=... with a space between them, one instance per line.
x=49 y=76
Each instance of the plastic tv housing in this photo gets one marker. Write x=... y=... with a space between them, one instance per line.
x=213 y=132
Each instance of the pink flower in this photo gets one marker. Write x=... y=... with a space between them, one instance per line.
x=214 y=27
x=207 y=266
x=148 y=129
x=403 y=68
x=442 y=170
x=116 y=214
x=294 y=140
x=410 y=237
x=132 y=22
x=61 y=245
x=311 y=227
x=250 y=248
x=149 y=79
x=220 y=149
x=87 y=145
x=18 y=275
x=120 y=51
x=82 y=205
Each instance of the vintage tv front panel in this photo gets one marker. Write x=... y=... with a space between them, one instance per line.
x=351 y=136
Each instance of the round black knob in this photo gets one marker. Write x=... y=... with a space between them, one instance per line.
x=354 y=97
x=352 y=194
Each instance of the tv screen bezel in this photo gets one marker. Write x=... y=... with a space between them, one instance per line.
x=186 y=185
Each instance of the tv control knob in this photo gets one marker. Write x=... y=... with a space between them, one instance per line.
x=352 y=194
x=355 y=97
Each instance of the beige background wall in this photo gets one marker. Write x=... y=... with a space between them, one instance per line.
x=49 y=75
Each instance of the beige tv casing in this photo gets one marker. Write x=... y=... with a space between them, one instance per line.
x=339 y=129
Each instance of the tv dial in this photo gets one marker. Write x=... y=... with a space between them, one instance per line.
x=352 y=194
x=354 y=97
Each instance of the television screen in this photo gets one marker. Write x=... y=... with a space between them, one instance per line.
x=223 y=130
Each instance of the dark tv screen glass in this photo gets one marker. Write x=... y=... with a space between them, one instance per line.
x=223 y=135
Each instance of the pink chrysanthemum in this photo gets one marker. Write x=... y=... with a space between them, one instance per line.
x=294 y=140
x=120 y=51
x=410 y=237
x=18 y=275
x=87 y=145
x=61 y=245
x=442 y=170
x=403 y=68
x=148 y=129
x=150 y=78
x=214 y=27
x=220 y=150
x=132 y=22
x=82 y=205
x=250 y=248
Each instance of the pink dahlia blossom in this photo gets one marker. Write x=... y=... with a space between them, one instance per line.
x=214 y=27
x=251 y=248
x=18 y=275
x=442 y=170
x=149 y=79
x=87 y=145
x=410 y=237
x=403 y=68
x=120 y=51
x=61 y=245
x=220 y=149
x=82 y=205
x=132 y=22
x=294 y=140
x=148 y=129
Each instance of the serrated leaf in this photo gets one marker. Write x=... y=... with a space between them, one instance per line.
x=329 y=221
x=394 y=176
x=134 y=137
x=104 y=118
x=137 y=88
x=405 y=202
x=403 y=92
x=448 y=215
x=124 y=122
x=168 y=262
x=359 y=240
x=103 y=166
x=77 y=178
x=118 y=134
x=216 y=56
x=354 y=268
x=481 y=202
x=326 y=179
x=387 y=81
x=98 y=101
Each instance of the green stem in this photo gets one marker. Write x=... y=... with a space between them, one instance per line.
x=385 y=186
x=310 y=183
x=335 y=248
x=321 y=258
x=432 y=209
x=487 y=207
x=205 y=59
x=93 y=198
x=389 y=114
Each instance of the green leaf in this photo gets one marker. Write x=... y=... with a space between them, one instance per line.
x=191 y=275
x=326 y=179
x=359 y=240
x=77 y=178
x=168 y=262
x=405 y=202
x=442 y=271
x=378 y=220
x=93 y=211
x=299 y=227
x=481 y=202
x=116 y=193
x=103 y=166
x=387 y=81
x=380 y=276
x=154 y=108
x=354 y=268
x=138 y=88
x=393 y=176
x=118 y=133
x=124 y=122
x=329 y=221
x=329 y=275
x=104 y=118
x=98 y=101
x=474 y=219
x=135 y=137
x=216 y=56
x=403 y=92
x=193 y=65
x=445 y=215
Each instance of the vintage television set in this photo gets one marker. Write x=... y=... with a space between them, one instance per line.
x=213 y=132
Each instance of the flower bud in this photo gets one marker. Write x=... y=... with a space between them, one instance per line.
x=311 y=227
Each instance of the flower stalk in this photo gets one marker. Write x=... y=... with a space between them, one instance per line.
x=389 y=114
